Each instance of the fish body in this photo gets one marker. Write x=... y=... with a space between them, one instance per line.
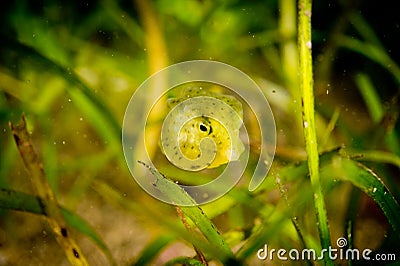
x=202 y=129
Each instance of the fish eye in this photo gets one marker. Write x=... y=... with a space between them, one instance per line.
x=203 y=128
